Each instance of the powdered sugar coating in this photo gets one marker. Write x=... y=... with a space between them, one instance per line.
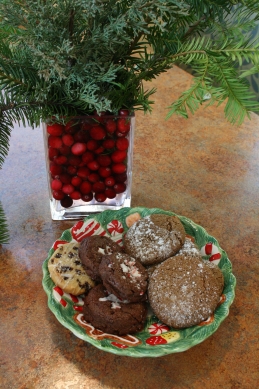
x=189 y=249
x=183 y=291
x=154 y=238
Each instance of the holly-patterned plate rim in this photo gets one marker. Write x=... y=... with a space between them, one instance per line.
x=156 y=339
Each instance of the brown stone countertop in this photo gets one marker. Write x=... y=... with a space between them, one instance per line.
x=203 y=168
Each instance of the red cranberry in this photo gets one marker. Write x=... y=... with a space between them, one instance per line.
x=74 y=160
x=53 y=153
x=118 y=156
x=92 y=145
x=68 y=140
x=93 y=177
x=68 y=188
x=76 y=181
x=97 y=133
x=123 y=125
x=121 y=177
x=71 y=170
x=104 y=171
x=58 y=194
x=108 y=143
x=66 y=202
x=61 y=160
x=110 y=126
x=100 y=197
x=87 y=157
x=83 y=172
x=119 y=188
x=110 y=193
x=56 y=184
x=81 y=136
x=122 y=144
x=118 y=168
x=86 y=126
x=124 y=112
x=120 y=134
x=85 y=187
x=78 y=148
x=55 y=129
x=64 y=150
x=109 y=181
x=104 y=160
x=65 y=178
x=55 y=141
x=55 y=170
x=99 y=187
x=100 y=150
x=71 y=127
x=87 y=197
x=93 y=165
x=76 y=195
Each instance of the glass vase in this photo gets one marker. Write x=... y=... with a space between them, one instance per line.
x=89 y=164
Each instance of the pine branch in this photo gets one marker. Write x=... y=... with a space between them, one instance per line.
x=4 y=235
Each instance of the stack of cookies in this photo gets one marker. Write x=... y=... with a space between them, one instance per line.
x=158 y=264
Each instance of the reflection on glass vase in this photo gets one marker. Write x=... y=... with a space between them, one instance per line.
x=89 y=164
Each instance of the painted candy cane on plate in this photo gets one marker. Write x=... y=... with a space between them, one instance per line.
x=158 y=328
x=116 y=230
x=213 y=251
x=61 y=297
x=88 y=228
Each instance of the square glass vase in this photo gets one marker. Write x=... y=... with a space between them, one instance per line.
x=89 y=164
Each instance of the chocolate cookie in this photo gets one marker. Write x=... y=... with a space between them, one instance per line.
x=124 y=277
x=154 y=238
x=183 y=291
x=67 y=272
x=91 y=251
x=109 y=315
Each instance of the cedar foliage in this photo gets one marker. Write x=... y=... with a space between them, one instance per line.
x=73 y=57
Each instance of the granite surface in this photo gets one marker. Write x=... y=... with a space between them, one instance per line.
x=203 y=168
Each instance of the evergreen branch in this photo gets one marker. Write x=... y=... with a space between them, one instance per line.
x=4 y=235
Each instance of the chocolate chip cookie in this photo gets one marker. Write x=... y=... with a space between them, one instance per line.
x=67 y=272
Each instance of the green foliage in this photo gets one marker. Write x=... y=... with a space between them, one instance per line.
x=4 y=236
x=72 y=57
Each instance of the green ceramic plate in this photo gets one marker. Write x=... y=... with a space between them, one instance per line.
x=156 y=339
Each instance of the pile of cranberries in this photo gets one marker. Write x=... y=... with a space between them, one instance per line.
x=88 y=158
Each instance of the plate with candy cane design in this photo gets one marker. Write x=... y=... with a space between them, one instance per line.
x=156 y=339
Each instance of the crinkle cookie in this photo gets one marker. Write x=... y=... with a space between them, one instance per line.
x=106 y=313
x=189 y=249
x=124 y=276
x=183 y=291
x=91 y=251
x=67 y=272
x=154 y=238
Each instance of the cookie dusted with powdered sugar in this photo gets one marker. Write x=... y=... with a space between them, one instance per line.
x=67 y=272
x=183 y=291
x=154 y=238
x=189 y=249
x=124 y=276
x=91 y=251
